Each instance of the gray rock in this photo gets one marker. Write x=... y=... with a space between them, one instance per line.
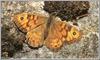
x=85 y=48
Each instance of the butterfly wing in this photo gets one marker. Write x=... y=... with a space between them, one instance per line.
x=28 y=21
x=59 y=33
x=33 y=25
x=56 y=34
x=34 y=38
x=74 y=35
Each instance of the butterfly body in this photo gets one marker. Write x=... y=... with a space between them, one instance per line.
x=48 y=31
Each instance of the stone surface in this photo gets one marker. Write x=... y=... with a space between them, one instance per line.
x=12 y=37
x=67 y=10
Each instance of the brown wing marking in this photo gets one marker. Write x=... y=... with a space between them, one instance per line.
x=35 y=37
x=26 y=21
x=57 y=33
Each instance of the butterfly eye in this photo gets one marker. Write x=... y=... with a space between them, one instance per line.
x=21 y=18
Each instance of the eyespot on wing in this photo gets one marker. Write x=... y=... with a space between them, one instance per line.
x=73 y=35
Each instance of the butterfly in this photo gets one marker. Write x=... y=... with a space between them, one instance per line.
x=48 y=31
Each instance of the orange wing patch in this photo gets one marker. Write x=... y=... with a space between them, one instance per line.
x=56 y=35
x=21 y=21
x=26 y=22
x=73 y=35
x=41 y=31
x=35 y=37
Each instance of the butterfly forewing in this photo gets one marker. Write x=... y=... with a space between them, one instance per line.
x=26 y=21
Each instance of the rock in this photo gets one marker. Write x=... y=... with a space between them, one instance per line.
x=67 y=10
x=12 y=40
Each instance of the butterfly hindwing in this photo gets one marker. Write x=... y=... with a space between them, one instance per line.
x=34 y=38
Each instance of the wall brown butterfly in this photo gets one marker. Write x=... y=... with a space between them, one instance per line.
x=48 y=31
